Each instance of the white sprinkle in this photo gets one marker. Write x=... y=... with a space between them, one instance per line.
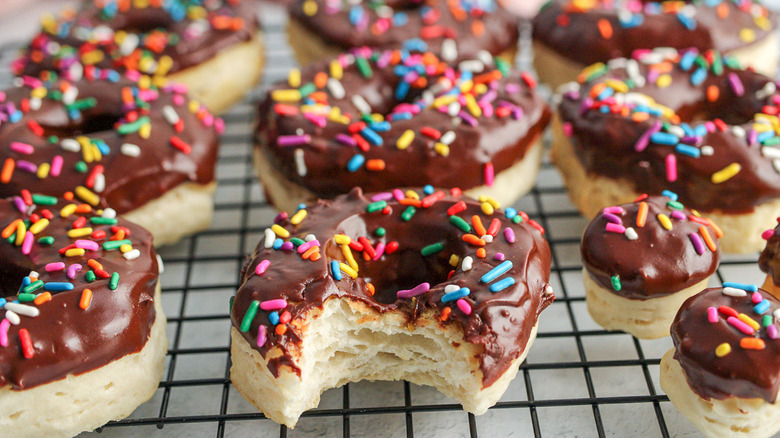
x=131 y=150
x=734 y=292
x=676 y=130
x=548 y=290
x=487 y=238
x=466 y=264
x=100 y=183
x=361 y=104
x=449 y=50
x=472 y=65
x=35 y=103
x=738 y=131
x=453 y=109
x=22 y=309
x=485 y=56
x=770 y=152
x=776 y=165
x=631 y=234
x=447 y=138
x=76 y=71
x=132 y=254
x=170 y=114
x=335 y=88
x=651 y=58
x=109 y=213
x=707 y=150
x=34 y=274
x=270 y=236
x=768 y=90
x=384 y=11
x=617 y=63
x=12 y=317
x=70 y=145
x=776 y=314
x=451 y=288
x=129 y=44
x=310 y=237
x=70 y=95
x=300 y=163
x=160 y=265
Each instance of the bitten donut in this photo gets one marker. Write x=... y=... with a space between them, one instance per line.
x=572 y=34
x=642 y=260
x=383 y=119
x=148 y=153
x=82 y=332
x=425 y=286
x=693 y=123
x=724 y=370
x=769 y=260
x=455 y=29
x=214 y=47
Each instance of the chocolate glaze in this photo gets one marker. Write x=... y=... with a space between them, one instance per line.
x=130 y=182
x=502 y=141
x=188 y=42
x=66 y=339
x=769 y=260
x=605 y=143
x=333 y=24
x=582 y=42
x=659 y=262
x=742 y=373
x=500 y=323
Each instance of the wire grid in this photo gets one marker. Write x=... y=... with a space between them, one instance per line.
x=578 y=380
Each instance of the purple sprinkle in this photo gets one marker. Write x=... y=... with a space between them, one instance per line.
x=293 y=140
x=517 y=113
x=27 y=166
x=698 y=245
x=678 y=215
x=499 y=256
x=752 y=136
x=72 y=270
x=384 y=196
x=281 y=217
x=736 y=84
x=771 y=330
x=488 y=97
x=287 y=246
x=417 y=290
x=509 y=235
x=20 y=205
x=512 y=88
x=468 y=119
x=644 y=140
x=612 y=218
x=345 y=139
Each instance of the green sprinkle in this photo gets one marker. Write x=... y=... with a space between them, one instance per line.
x=307 y=89
x=82 y=104
x=26 y=298
x=376 y=206
x=460 y=223
x=675 y=205
x=408 y=213
x=616 y=283
x=502 y=66
x=767 y=320
x=230 y=301
x=54 y=94
x=517 y=219
x=90 y=277
x=297 y=242
x=115 y=244
x=44 y=200
x=47 y=240
x=114 y=281
x=103 y=220
x=364 y=67
x=11 y=238
x=129 y=128
x=249 y=316
x=717 y=64
x=32 y=287
x=380 y=232
x=81 y=167
x=53 y=139
x=432 y=249
x=774 y=141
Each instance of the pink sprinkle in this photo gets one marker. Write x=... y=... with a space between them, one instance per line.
x=27 y=244
x=671 y=168
x=4 y=325
x=73 y=269
x=305 y=246
x=712 y=314
x=736 y=84
x=489 y=175
x=51 y=267
x=766 y=235
x=56 y=165
x=380 y=250
x=741 y=326
x=616 y=228
x=383 y=196
x=262 y=266
x=772 y=331
x=499 y=256
x=567 y=129
x=413 y=292
x=756 y=298
x=614 y=210
x=89 y=245
x=261 y=335
x=464 y=306
x=277 y=304
x=398 y=194
x=509 y=235
x=22 y=148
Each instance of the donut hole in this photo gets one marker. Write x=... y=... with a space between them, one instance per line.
x=403 y=270
x=86 y=125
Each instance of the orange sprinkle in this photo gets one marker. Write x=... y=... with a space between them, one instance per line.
x=707 y=239
x=640 y=117
x=490 y=76
x=309 y=252
x=478 y=27
x=120 y=235
x=371 y=289
x=410 y=201
x=83 y=208
x=473 y=240
x=481 y=253
x=68 y=196
x=605 y=28
x=316 y=256
x=722 y=11
x=478 y=227
x=375 y=165
x=7 y=231
x=597 y=89
x=320 y=79
x=641 y=215
x=94 y=264
x=86 y=299
x=752 y=343
x=713 y=93
x=8 y=170
x=281 y=329
x=716 y=228
x=445 y=313
x=42 y=298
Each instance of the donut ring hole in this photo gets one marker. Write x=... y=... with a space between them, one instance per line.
x=85 y=125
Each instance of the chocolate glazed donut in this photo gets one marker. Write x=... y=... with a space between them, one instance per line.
x=382 y=119
x=114 y=143
x=432 y=263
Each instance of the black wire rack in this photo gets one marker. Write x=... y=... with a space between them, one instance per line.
x=578 y=380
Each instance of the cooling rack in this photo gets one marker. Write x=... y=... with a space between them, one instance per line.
x=578 y=380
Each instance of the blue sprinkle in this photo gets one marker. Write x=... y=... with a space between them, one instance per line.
x=688 y=150
x=604 y=109
x=428 y=189
x=700 y=131
x=497 y=271
x=664 y=138
x=670 y=194
x=510 y=212
x=355 y=15
x=686 y=62
x=402 y=116
x=2 y=302
x=25 y=282
x=356 y=162
x=57 y=286
x=274 y=317
x=371 y=135
x=698 y=76
x=15 y=116
x=745 y=287
x=415 y=44
x=278 y=243
x=335 y=270
x=502 y=284
x=608 y=92
x=764 y=136
x=761 y=307
x=400 y=18
x=380 y=126
x=402 y=90
x=455 y=295
x=102 y=146
x=687 y=129
x=686 y=21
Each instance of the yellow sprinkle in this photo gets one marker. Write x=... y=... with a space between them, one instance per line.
x=39 y=92
x=723 y=349
x=466 y=86
x=92 y=57
x=75 y=252
x=280 y=231
x=125 y=248
x=405 y=139
x=86 y=150
x=441 y=149
x=665 y=221
x=491 y=201
x=472 y=106
x=294 y=78
x=487 y=208
x=310 y=8
x=196 y=12
x=617 y=85
x=336 y=70
x=298 y=216
x=749 y=321
x=193 y=106
x=454 y=260
x=286 y=95
x=763 y=22
x=146 y=65
x=589 y=70
x=96 y=154
x=341 y=239
x=145 y=131
x=87 y=195
x=444 y=100
x=79 y=232
x=39 y=226
x=144 y=82
x=663 y=81
x=480 y=89
x=726 y=173
x=347 y=251
x=747 y=35
x=68 y=210
x=160 y=81
x=412 y=194
x=43 y=170
x=349 y=271
x=164 y=65
x=21 y=231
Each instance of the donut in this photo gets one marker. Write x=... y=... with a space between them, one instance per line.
x=116 y=142
x=214 y=47
x=724 y=370
x=427 y=286
x=82 y=332
x=569 y=35
x=380 y=119
x=630 y=283
x=695 y=124
x=769 y=259
x=454 y=29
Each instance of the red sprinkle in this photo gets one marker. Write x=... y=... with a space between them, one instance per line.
x=180 y=144
x=27 y=346
x=456 y=208
x=728 y=311
x=391 y=247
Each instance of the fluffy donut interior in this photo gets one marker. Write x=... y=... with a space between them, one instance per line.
x=346 y=341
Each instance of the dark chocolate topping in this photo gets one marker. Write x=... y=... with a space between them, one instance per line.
x=510 y=117
x=500 y=322
x=575 y=33
x=658 y=262
x=474 y=25
x=704 y=153
x=743 y=373
x=184 y=32
x=67 y=339
x=106 y=121
x=769 y=260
